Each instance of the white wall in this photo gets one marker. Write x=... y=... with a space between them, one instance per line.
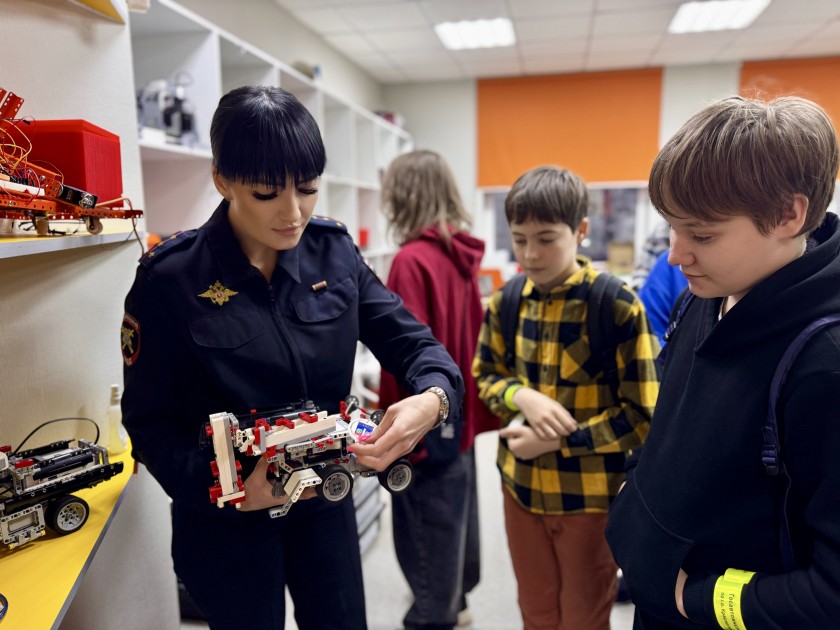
x=442 y=117
x=685 y=89
x=60 y=312
x=274 y=30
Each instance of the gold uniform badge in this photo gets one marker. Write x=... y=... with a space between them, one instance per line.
x=218 y=293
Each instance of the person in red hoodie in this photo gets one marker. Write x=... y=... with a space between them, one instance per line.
x=435 y=273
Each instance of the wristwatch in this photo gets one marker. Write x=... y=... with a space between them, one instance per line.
x=443 y=412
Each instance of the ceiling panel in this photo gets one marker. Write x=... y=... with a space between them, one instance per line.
x=324 y=20
x=550 y=48
x=366 y=17
x=769 y=33
x=413 y=58
x=539 y=8
x=352 y=44
x=799 y=11
x=449 y=11
x=619 y=43
x=651 y=21
x=813 y=48
x=552 y=28
x=606 y=6
x=556 y=36
x=405 y=39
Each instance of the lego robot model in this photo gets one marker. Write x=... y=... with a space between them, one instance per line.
x=304 y=448
x=35 y=487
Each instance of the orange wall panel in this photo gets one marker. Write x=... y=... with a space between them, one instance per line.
x=602 y=125
x=815 y=79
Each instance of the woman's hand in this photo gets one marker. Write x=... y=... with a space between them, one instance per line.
x=548 y=418
x=399 y=431
x=258 y=494
x=524 y=442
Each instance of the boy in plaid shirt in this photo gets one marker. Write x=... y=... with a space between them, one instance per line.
x=564 y=464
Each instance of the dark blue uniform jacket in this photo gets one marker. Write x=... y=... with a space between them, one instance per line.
x=204 y=332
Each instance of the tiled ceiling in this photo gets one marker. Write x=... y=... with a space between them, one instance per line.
x=393 y=40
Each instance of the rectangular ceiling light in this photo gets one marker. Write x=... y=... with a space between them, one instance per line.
x=476 y=34
x=716 y=15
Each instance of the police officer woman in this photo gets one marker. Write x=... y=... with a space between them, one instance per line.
x=260 y=307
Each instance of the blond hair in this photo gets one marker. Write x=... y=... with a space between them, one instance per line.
x=419 y=192
x=740 y=156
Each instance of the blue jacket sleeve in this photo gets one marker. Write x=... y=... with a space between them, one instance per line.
x=659 y=293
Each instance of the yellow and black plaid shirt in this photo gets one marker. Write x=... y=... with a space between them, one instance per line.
x=552 y=346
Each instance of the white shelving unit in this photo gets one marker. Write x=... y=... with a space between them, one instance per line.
x=171 y=42
x=23 y=245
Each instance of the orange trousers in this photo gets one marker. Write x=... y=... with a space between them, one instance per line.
x=564 y=569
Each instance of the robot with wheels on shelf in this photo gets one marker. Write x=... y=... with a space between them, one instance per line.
x=304 y=448
x=31 y=193
x=35 y=487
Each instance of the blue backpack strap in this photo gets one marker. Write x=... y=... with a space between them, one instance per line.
x=684 y=300
x=600 y=321
x=509 y=316
x=771 y=450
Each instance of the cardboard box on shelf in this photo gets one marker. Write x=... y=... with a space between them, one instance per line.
x=620 y=258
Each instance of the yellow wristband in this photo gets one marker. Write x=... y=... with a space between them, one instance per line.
x=508 y=397
x=727 y=601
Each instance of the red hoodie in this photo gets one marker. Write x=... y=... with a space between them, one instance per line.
x=438 y=283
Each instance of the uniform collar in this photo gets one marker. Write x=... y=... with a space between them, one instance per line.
x=289 y=260
x=235 y=266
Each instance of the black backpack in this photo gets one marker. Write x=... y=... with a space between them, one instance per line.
x=599 y=321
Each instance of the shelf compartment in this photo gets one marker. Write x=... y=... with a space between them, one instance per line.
x=172 y=45
x=241 y=65
x=339 y=134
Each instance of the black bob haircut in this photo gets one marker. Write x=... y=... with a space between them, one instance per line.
x=264 y=135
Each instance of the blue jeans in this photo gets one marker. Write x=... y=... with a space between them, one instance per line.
x=437 y=541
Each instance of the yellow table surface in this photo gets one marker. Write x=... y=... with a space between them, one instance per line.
x=41 y=577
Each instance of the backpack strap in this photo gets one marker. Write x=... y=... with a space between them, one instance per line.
x=600 y=321
x=509 y=316
x=684 y=300
x=771 y=450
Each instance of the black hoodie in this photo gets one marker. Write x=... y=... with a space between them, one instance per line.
x=700 y=499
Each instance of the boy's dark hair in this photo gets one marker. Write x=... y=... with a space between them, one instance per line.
x=264 y=135
x=548 y=194
x=740 y=156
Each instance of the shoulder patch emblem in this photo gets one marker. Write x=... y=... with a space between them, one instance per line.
x=218 y=293
x=327 y=222
x=130 y=334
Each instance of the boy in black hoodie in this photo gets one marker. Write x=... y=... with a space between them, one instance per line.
x=697 y=528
